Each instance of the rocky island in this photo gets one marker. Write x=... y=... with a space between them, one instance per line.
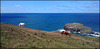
x=77 y=27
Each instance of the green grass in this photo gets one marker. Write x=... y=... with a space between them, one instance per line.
x=13 y=36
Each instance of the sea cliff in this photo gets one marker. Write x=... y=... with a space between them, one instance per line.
x=13 y=36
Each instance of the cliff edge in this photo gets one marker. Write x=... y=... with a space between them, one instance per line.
x=13 y=36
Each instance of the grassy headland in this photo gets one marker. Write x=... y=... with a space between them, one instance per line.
x=13 y=36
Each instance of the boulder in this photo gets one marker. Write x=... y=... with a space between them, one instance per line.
x=77 y=27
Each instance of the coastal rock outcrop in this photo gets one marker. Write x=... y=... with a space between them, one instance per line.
x=77 y=27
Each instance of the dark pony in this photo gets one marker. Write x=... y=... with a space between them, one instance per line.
x=66 y=33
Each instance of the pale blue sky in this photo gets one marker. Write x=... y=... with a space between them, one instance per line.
x=49 y=6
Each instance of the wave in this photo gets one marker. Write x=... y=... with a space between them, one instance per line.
x=60 y=30
x=95 y=34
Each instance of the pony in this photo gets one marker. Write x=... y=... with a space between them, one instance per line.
x=66 y=33
x=22 y=24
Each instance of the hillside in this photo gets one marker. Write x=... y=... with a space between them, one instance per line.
x=13 y=36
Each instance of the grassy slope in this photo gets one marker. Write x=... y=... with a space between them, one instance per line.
x=13 y=36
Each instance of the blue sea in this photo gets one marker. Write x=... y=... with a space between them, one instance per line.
x=51 y=21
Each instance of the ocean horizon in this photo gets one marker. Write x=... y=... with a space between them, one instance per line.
x=58 y=19
x=52 y=21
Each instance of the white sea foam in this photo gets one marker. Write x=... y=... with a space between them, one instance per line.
x=95 y=35
x=60 y=30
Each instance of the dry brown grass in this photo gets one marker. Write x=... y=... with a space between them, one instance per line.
x=13 y=36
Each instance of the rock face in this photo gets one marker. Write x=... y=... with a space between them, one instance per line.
x=77 y=27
